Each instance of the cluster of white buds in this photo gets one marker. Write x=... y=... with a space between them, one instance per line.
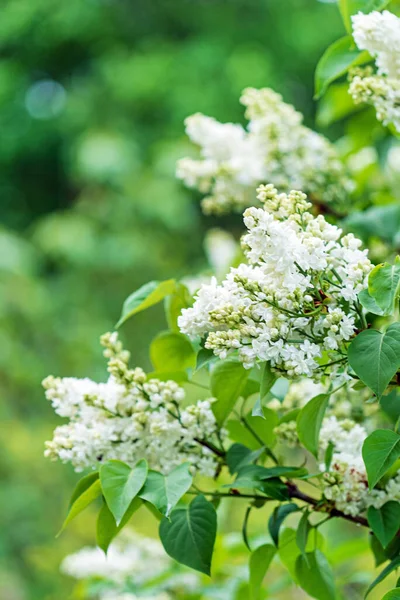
x=130 y=417
x=131 y=559
x=276 y=148
x=379 y=34
x=295 y=299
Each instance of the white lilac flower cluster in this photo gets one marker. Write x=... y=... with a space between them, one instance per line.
x=276 y=148
x=130 y=417
x=131 y=559
x=294 y=301
x=379 y=34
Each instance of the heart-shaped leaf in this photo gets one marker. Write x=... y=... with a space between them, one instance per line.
x=309 y=422
x=380 y=450
x=189 y=536
x=375 y=357
x=385 y=521
x=165 y=491
x=121 y=484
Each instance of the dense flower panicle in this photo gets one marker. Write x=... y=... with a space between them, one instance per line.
x=295 y=299
x=129 y=417
x=379 y=34
x=276 y=148
x=131 y=558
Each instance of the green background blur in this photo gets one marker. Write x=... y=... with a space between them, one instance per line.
x=93 y=94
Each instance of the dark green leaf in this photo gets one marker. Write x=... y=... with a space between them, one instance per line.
x=237 y=456
x=107 y=529
x=394 y=564
x=171 y=351
x=390 y=404
x=268 y=378
x=149 y=294
x=228 y=379
x=86 y=491
x=375 y=357
x=260 y=560
x=189 y=536
x=303 y=529
x=205 y=357
x=385 y=521
x=277 y=518
x=121 y=484
x=380 y=450
x=392 y=595
x=336 y=61
x=309 y=422
x=315 y=575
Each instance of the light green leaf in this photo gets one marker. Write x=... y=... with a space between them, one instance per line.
x=309 y=421
x=121 y=484
x=149 y=294
x=336 y=61
x=385 y=521
x=394 y=564
x=352 y=7
x=171 y=351
x=380 y=450
x=260 y=560
x=392 y=595
x=228 y=379
x=189 y=536
x=106 y=529
x=86 y=491
x=369 y=303
x=315 y=575
x=335 y=104
x=174 y=304
x=375 y=357
x=289 y=551
x=384 y=285
x=165 y=491
x=268 y=378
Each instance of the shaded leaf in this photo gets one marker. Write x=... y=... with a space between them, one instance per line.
x=260 y=560
x=121 y=484
x=380 y=450
x=309 y=421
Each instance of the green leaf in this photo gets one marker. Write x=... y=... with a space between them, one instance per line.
x=378 y=221
x=228 y=379
x=149 y=294
x=315 y=576
x=380 y=450
x=390 y=404
x=394 y=564
x=277 y=518
x=250 y=477
x=121 y=484
x=268 y=378
x=237 y=456
x=86 y=491
x=369 y=303
x=385 y=521
x=189 y=536
x=289 y=552
x=375 y=357
x=309 y=422
x=171 y=351
x=260 y=560
x=303 y=529
x=383 y=286
x=264 y=426
x=336 y=61
x=205 y=357
x=352 y=7
x=336 y=104
x=165 y=491
x=392 y=595
x=174 y=304
x=107 y=529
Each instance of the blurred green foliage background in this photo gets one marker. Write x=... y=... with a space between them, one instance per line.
x=93 y=94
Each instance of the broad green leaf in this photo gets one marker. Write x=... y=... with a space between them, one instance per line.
x=336 y=61
x=380 y=450
x=336 y=104
x=268 y=378
x=277 y=518
x=392 y=595
x=250 y=477
x=165 y=491
x=263 y=427
x=121 y=484
x=315 y=575
x=107 y=529
x=369 y=303
x=149 y=294
x=352 y=7
x=303 y=530
x=385 y=521
x=205 y=357
x=289 y=551
x=394 y=564
x=171 y=351
x=390 y=404
x=240 y=434
x=237 y=456
x=375 y=357
x=309 y=422
x=228 y=379
x=384 y=284
x=86 y=491
x=189 y=536
x=260 y=560
x=174 y=304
